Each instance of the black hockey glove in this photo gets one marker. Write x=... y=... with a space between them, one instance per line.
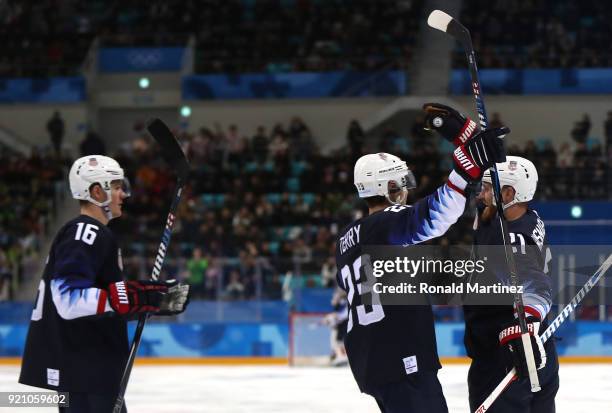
x=510 y=338
x=452 y=125
x=480 y=153
x=157 y=297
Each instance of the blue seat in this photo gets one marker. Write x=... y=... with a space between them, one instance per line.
x=219 y=200
x=274 y=247
x=297 y=168
x=251 y=167
x=591 y=142
x=208 y=200
x=273 y=198
x=293 y=185
x=308 y=198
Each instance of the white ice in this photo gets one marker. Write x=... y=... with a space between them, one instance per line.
x=270 y=389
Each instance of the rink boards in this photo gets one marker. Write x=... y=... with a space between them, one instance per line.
x=268 y=342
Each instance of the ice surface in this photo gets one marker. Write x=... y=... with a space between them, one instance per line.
x=270 y=389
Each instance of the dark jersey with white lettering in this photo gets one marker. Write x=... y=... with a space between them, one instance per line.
x=532 y=256
x=75 y=341
x=385 y=343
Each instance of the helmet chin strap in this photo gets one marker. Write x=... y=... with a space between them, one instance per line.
x=105 y=206
x=402 y=198
x=505 y=206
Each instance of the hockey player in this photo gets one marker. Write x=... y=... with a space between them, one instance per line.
x=492 y=337
x=337 y=321
x=392 y=349
x=77 y=341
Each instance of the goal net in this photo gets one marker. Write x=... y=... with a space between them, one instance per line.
x=309 y=340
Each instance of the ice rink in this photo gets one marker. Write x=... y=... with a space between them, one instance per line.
x=269 y=389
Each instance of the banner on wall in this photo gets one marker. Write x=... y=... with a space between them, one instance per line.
x=43 y=90
x=294 y=85
x=140 y=59
x=535 y=81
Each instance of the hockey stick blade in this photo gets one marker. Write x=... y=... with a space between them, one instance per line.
x=442 y=21
x=171 y=149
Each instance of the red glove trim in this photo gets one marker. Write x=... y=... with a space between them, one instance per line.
x=513 y=332
x=102 y=302
x=466 y=132
x=119 y=297
x=455 y=187
x=466 y=163
x=532 y=311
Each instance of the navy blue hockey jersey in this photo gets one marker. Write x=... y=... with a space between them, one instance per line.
x=532 y=256
x=75 y=341
x=385 y=343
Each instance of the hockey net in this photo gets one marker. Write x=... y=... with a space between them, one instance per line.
x=309 y=340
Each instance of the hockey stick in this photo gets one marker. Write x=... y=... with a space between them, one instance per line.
x=567 y=310
x=441 y=21
x=173 y=154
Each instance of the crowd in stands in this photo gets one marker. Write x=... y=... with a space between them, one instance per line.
x=51 y=38
x=538 y=33
x=28 y=196
x=261 y=212
x=577 y=170
x=306 y=35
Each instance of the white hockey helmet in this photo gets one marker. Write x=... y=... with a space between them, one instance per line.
x=374 y=171
x=519 y=173
x=95 y=169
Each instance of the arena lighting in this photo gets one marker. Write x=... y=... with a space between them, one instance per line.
x=143 y=82
x=185 y=111
x=576 y=211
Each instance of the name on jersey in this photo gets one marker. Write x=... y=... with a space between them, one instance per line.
x=539 y=233
x=350 y=239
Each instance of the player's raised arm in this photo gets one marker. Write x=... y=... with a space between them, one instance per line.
x=475 y=152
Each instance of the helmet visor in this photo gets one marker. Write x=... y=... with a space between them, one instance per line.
x=408 y=180
x=125 y=186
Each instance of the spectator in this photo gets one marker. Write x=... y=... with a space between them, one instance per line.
x=92 y=145
x=196 y=267
x=213 y=276
x=260 y=145
x=355 y=138
x=328 y=272
x=496 y=121
x=55 y=127
x=565 y=158
x=302 y=253
x=5 y=277
x=608 y=132
x=235 y=288
x=581 y=129
x=279 y=146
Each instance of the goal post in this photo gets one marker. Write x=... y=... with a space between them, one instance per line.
x=310 y=340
